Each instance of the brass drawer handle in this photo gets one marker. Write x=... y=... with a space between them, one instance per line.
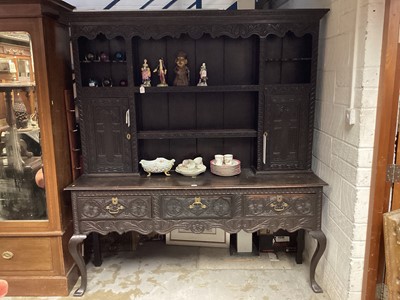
x=7 y=255
x=279 y=205
x=114 y=208
x=197 y=201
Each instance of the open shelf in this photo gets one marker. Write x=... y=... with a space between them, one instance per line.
x=103 y=62
x=256 y=83
x=288 y=59
x=200 y=89
x=184 y=134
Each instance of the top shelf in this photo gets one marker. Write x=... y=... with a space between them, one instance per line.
x=288 y=59
x=199 y=89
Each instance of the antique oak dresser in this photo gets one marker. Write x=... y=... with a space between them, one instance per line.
x=258 y=105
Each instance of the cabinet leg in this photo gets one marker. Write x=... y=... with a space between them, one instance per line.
x=321 y=239
x=76 y=240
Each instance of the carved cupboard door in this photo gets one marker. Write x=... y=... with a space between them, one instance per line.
x=287 y=137
x=108 y=135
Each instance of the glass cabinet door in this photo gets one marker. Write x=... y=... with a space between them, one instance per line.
x=22 y=190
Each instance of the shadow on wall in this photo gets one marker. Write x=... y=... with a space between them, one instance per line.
x=298 y=3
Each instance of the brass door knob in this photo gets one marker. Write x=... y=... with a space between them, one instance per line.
x=7 y=255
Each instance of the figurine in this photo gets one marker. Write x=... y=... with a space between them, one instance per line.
x=146 y=74
x=90 y=56
x=104 y=57
x=181 y=70
x=93 y=83
x=203 y=75
x=107 y=82
x=162 y=71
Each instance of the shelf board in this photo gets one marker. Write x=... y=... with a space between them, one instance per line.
x=207 y=133
x=295 y=59
x=103 y=62
x=201 y=89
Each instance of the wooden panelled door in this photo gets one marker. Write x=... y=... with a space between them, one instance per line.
x=382 y=188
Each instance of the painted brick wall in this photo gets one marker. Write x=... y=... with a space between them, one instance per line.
x=350 y=45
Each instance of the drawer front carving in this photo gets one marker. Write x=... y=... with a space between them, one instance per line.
x=196 y=207
x=25 y=254
x=280 y=204
x=114 y=207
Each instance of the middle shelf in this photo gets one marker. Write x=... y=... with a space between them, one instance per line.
x=200 y=89
x=183 y=134
x=118 y=91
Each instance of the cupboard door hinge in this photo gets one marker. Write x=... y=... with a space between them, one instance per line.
x=382 y=292
x=393 y=173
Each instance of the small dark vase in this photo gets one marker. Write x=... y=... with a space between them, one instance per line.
x=107 y=82
x=90 y=56
x=104 y=56
x=118 y=56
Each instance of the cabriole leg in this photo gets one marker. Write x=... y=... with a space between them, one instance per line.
x=76 y=240
x=321 y=239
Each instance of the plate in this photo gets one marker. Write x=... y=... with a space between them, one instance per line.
x=190 y=172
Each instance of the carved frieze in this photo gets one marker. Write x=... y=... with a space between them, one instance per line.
x=198 y=226
x=157 y=31
x=273 y=224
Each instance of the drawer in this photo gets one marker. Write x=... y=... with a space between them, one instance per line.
x=196 y=207
x=280 y=204
x=109 y=205
x=25 y=254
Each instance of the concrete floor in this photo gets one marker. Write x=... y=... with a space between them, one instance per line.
x=156 y=271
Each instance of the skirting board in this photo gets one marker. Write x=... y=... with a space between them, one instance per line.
x=209 y=238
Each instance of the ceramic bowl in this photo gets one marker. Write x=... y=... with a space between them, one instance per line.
x=158 y=165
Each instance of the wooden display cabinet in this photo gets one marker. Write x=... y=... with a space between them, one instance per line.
x=258 y=105
x=35 y=217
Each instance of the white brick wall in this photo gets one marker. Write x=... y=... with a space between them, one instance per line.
x=351 y=37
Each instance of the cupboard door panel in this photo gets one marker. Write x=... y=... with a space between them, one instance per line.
x=287 y=128
x=108 y=135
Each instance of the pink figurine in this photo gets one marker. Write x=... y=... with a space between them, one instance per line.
x=162 y=71
x=146 y=74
